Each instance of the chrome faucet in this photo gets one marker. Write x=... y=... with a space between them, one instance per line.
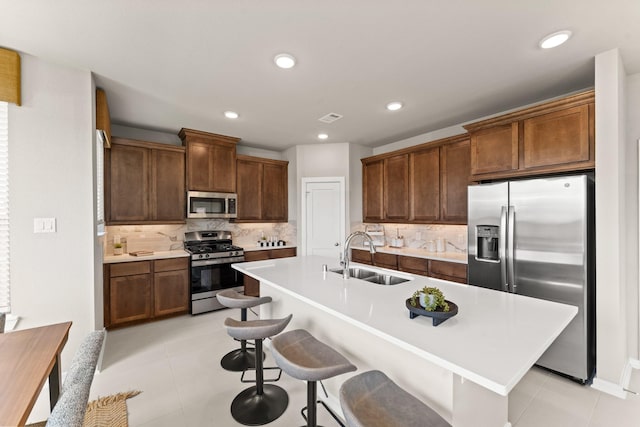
x=344 y=259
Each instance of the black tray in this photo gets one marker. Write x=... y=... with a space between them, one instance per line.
x=438 y=316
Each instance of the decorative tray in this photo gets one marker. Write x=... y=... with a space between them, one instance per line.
x=438 y=316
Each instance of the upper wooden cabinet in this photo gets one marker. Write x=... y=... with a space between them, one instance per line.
x=556 y=136
x=211 y=161
x=144 y=182
x=262 y=186
x=426 y=183
x=103 y=118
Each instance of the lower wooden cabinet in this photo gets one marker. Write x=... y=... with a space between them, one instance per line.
x=143 y=290
x=251 y=285
x=451 y=271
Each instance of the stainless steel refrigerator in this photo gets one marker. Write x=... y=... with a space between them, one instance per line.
x=535 y=237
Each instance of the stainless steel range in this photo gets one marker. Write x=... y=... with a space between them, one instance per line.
x=212 y=254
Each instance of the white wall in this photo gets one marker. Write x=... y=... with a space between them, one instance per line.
x=51 y=167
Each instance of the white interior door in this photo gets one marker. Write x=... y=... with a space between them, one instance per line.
x=324 y=216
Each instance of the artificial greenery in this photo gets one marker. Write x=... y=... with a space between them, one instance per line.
x=438 y=297
x=117 y=245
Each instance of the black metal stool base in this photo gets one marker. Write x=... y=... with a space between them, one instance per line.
x=253 y=409
x=240 y=360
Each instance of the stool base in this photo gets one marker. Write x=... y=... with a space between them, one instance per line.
x=253 y=409
x=239 y=360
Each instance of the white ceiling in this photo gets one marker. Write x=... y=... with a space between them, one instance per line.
x=172 y=64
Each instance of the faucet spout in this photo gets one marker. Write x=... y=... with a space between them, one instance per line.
x=347 y=245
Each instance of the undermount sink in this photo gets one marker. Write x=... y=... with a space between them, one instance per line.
x=372 y=276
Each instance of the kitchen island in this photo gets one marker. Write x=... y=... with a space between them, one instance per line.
x=464 y=368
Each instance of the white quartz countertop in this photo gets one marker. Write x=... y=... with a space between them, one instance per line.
x=493 y=340
x=458 y=257
x=109 y=259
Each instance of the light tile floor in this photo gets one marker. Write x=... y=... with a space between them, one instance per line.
x=176 y=365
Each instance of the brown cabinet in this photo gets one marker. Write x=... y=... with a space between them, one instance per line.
x=103 y=118
x=143 y=290
x=361 y=256
x=452 y=271
x=422 y=184
x=380 y=259
x=373 y=190
x=413 y=265
x=262 y=189
x=251 y=285
x=144 y=182
x=556 y=136
x=211 y=161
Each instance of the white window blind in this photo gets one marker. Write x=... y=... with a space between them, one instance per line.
x=5 y=288
x=100 y=182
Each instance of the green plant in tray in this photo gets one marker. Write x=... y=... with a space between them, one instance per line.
x=438 y=299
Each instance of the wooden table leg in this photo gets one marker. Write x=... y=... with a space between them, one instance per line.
x=54 y=382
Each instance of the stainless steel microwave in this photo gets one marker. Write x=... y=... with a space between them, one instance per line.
x=202 y=204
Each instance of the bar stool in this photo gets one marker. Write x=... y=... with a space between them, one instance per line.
x=303 y=357
x=371 y=399
x=261 y=403
x=242 y=358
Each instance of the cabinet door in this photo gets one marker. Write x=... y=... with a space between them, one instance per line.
x=198 y=155
x=251 y=286
x=396 y=187
x=425 y=185
x=130 y=298
x=451 y=271
x=249 y=182
x=171 y=292
x=557 y=138
x=455 y=167
x=283 y=253
x=363 y=257
x=494 y=149
x=385 y=260
x=222 y=167
x=168 y=196
x=274 y=192
x=413 y=265
x=256 y=255
x=128 y=183
x=372 y=190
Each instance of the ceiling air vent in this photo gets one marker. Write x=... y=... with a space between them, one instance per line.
x=330 y=118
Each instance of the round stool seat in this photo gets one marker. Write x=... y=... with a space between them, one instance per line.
x=232 y=299
x=371 y=399
x=303 y=357
x=242 y=358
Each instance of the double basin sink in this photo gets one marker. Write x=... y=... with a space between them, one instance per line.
x=377 y=277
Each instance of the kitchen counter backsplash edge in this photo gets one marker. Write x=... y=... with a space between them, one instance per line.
x=457 y=257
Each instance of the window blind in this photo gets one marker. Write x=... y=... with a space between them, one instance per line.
x=5 y=288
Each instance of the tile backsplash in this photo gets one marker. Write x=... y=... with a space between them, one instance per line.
x=419 y=235
x=171 y=236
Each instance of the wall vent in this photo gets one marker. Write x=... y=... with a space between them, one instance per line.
x=330 y=118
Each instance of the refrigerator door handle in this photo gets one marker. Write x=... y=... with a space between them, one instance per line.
x=511 y=277
x=504 y=284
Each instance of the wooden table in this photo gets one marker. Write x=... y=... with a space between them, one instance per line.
x=27 y=357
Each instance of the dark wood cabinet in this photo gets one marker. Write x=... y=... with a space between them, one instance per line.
x=454 y=179
x=413 y=265
x=361 y=256
x=141 y=291
x=262 y=189
x=373 y=190
x=171 y=286
x=103 y=118
x=396 y=187
x=251 y=285
x=211 y=161
x=452 y=271
x=426 y=183
x=144 y=182
x=552 y=137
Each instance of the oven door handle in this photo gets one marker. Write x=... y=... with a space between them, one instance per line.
x=216 y=261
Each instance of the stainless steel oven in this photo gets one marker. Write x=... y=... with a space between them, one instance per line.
x=211 y=257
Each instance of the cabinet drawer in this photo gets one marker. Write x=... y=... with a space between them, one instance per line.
x=385 y=260
x=171 y=264
x=283 y=253
x=413 y=265
x=449 y=269
x=256 y=255
x=129 y=268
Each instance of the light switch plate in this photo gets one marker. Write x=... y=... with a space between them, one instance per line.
x=44 y=225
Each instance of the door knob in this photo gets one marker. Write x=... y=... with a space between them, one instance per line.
x=337 y=244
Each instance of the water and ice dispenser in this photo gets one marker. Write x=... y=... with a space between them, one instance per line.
x=488 y=242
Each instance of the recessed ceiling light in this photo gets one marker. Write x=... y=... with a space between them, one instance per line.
x=555 y=39
x=284 y=60
x=323 y=136
x=231 y=114
x=393 y=106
